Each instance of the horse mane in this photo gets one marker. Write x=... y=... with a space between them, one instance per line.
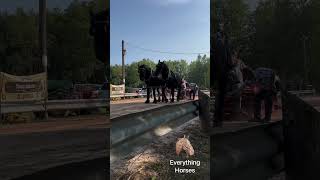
x=163 y=69
x=172 y=74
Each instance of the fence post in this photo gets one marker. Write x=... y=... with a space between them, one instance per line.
x=301 y=123
x=204 y=111
x=1 y=85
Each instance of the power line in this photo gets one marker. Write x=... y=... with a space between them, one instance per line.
x=163 y=52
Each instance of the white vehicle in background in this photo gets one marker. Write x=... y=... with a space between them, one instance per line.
x=143 y=92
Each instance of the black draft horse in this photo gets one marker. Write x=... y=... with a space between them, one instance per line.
x=173 y=80
x=146 y=75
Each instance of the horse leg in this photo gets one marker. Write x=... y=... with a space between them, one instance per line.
x=194 y=95
x=165 y=94
x=172 y=94
x=148 y=96
x=164 y=97
x=154 y=95
x=178 y=94
x=159 y=95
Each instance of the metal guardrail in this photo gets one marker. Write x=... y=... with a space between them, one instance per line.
x=53 y=105
x=247 y=154
x=128 y=95
x=304 y=92
x=130 y=125
x=301 y=123
x=131 y=131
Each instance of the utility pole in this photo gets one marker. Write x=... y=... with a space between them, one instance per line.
x=123 y=63
x=43 y=47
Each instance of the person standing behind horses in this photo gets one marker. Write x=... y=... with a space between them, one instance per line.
x=236 y=84
x=184 y=88
x=266 y=88
x=193 y=90
x=222 y=63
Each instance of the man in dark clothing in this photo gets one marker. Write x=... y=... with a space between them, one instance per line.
x=221 y=65
x=264 y=91
x=193 y=90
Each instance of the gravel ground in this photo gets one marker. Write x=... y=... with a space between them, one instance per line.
x=153 y=160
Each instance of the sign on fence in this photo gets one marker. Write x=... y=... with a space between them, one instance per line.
x=117 y=89
x=22 y=88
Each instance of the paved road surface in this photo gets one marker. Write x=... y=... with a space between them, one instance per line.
x=27 y=148
x=57 y=124
x=128 y=106
x=232 y=126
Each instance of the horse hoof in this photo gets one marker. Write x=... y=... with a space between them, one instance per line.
x=147 y=101
x=155 y=102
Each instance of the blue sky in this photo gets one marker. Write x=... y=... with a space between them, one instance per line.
x=164 y=25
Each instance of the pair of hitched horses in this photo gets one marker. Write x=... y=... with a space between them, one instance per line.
x=162 y=78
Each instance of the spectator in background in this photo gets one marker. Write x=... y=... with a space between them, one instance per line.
x=264 y=91
x=184 y=88
x=237 y=82
x=193 y=90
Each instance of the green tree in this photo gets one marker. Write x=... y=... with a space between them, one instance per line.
x=180 y=67
x=115 y=74
x=199 y=71
x=70 y=47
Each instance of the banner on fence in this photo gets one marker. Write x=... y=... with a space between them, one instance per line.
x=22 y=88
x=117 y=89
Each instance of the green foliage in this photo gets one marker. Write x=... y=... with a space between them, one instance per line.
x=271 y=35
x=180 y=67
x=115 y=74
x=199 y=71
x=18 y=42
x=70 y=47
x=236 y=20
